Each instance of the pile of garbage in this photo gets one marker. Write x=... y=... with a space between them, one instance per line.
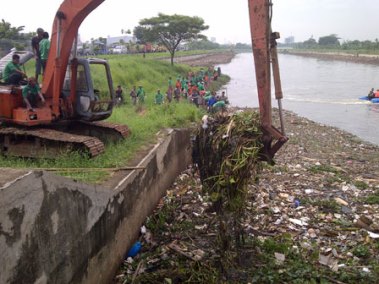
x=313 y=217
x=226 y=151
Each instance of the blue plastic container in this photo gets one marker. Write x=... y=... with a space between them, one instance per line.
x=134 y=250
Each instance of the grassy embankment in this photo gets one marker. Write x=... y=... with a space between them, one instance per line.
x=337 y=51
x=144 y=120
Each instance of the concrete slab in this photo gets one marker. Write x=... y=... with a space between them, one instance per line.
x=9 y=176
x=55 y=230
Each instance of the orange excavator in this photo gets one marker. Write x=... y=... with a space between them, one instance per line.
x=74 y=106
x=74 y=102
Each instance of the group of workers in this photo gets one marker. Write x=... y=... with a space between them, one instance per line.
x=13 y=74
x=136 y=95
x=195 y=87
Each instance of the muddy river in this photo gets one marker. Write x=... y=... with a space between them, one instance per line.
x=324 y=91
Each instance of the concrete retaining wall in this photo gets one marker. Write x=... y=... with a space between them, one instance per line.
x=55 y=230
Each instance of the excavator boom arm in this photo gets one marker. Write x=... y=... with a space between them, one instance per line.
x=67 y=21
x=265 y=54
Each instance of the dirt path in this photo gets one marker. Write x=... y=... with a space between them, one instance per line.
x=206 y=59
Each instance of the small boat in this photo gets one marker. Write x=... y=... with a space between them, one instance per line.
x=373 y=100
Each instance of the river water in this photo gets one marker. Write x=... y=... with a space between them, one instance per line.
x=324 y=91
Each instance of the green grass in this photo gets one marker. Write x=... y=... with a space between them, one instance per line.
x=335 y=175
x=144 y=125
x=144 y=121
x=339 y=50
x=322 y=169
x=177 y=54
x=372 y=198
x=361 y=184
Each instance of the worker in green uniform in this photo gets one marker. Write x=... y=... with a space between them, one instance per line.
x=44 y=47
x=12 y=71
x=31 y=93
x=219 y=106
x=159 y=98
x=141 y=94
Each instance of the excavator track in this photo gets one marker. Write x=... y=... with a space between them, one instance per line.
x=45 y=142
x=105 y=131
x=55 y=139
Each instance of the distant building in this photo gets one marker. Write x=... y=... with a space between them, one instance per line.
x=289 y=40
x=112 y=41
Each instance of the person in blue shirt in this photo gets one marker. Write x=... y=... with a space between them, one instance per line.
x=212 y=100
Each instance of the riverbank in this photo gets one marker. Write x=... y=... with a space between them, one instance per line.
x=313 y=216
x=206 y=59
x=340 y=56
x=210 y=59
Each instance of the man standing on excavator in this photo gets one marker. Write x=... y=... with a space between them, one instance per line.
x=37 y=54
x=44 y=47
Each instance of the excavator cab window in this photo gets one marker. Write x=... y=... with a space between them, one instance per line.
x=93 y=98
x=100 y=86
x=81 y=81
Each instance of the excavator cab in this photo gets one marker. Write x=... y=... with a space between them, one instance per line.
x=91 y=99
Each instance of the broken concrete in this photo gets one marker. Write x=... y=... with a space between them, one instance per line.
x=55 y=230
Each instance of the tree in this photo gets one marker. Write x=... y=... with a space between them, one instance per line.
x=245 y=46
x=330 y=40
x=9 y=32
x=309 y=43
x=11 y=37
x=138 y=32
x=170 y=31
x=128 y=31
x=203 y=44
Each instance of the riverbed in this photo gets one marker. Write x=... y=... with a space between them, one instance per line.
x=325 y=91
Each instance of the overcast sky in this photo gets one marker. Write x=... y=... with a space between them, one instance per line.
x=227 y=19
